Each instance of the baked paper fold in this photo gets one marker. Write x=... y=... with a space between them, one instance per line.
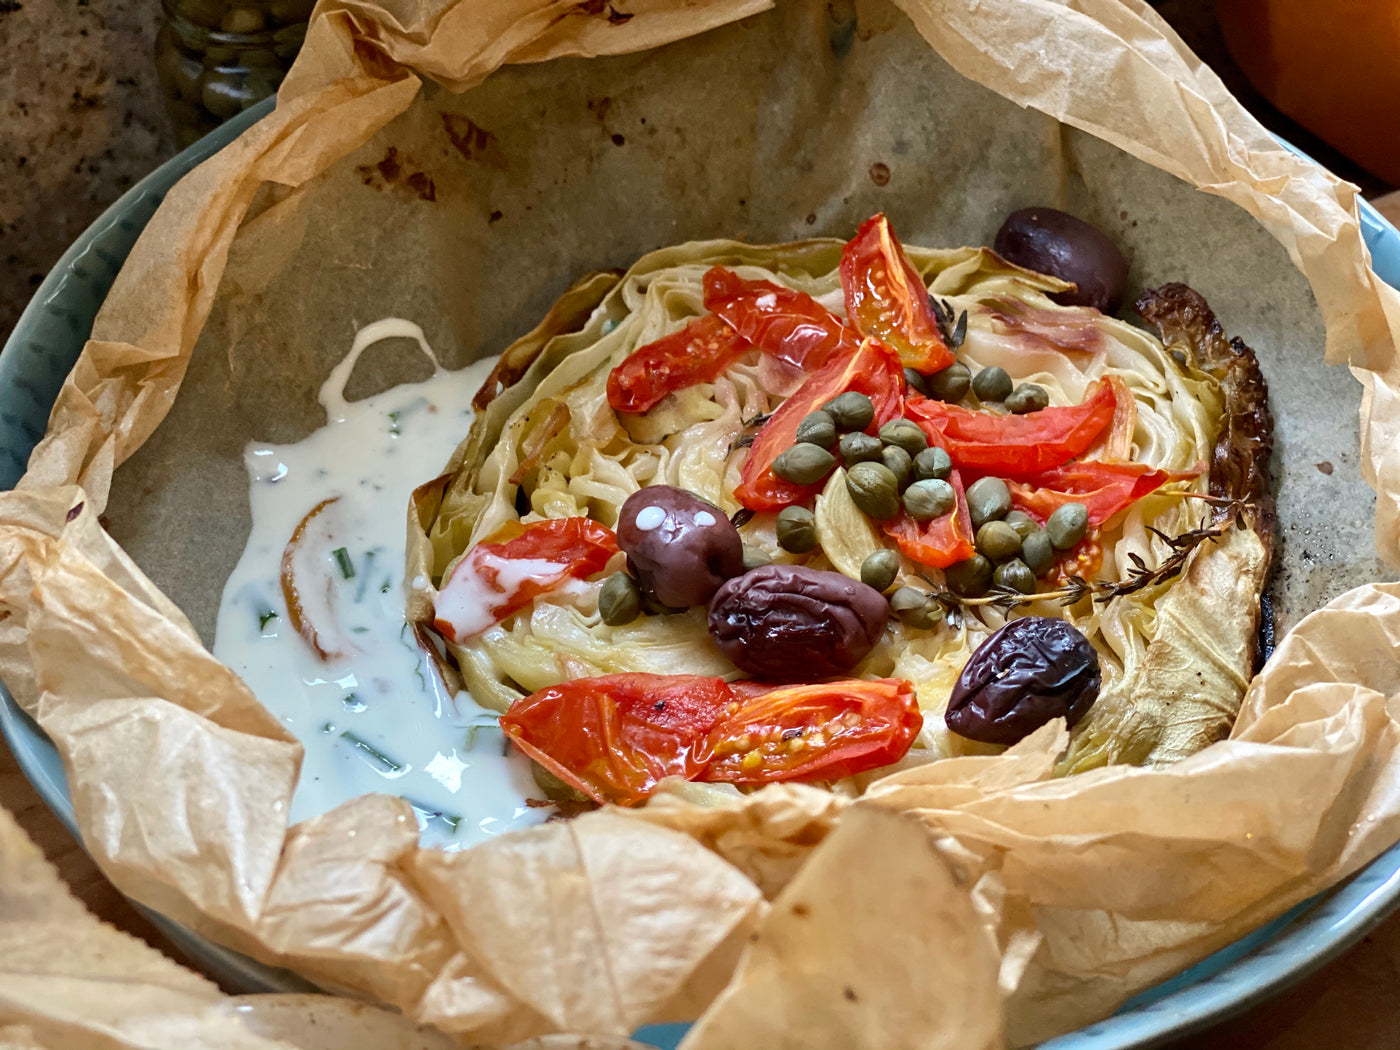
x=1091 y=888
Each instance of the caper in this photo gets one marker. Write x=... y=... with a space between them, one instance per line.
x=970 y=578
x=991 y=384
x=1022 y=522
x=620 y=600
x=998 y=542
x=901 y=464
x=1016 y=575
x=905 y=434
x=932 y=463
x=926 y=500
x=851 y=410
x=817 y=428
x=916 y=608
x=804 y=464
x=1027 y=397
x=1038 y=552
x=797 y=530
x=242 y=20
x=874 y=490
x=987 y=500
x=754 y=558
x=1067 y=525
x=951 y=384
x=915 y=380
x=860 y=448
x=878 y=570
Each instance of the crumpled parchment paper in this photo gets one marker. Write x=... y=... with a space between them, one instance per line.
x=69 y=982
x=374 y=189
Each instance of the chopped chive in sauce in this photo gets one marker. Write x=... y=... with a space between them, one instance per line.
x=426 y=814
x=343 y=562
x=265 y=618
x=364 y=576
x=384 y=588
x=485 y=722
x=379 y=757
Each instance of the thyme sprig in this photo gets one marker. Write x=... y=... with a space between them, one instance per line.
x=1076 y=588
x=954 y=331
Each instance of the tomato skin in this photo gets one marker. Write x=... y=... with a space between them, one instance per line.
x=886 y=719
x=614 y=737
x=941 y=542
x=872 y=369
x=473 y=597
x=700 y=352
x=1016 y=446
x=887 y=300
x=782 y=322
x=1103 y=488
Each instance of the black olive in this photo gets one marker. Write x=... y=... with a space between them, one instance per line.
x=1028 y=672
x=1050 y=241
x=789 y=623
x=679 y=548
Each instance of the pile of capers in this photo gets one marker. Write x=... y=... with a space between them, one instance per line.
x=893 y=471
x=992 y=385
x=1012 y=549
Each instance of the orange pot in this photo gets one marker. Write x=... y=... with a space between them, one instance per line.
x=1331 y=65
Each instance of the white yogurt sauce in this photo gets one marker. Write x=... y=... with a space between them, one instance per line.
x=374 y=716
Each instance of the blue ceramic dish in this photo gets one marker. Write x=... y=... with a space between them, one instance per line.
x=38 y=357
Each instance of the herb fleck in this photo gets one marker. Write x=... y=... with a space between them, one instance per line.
x=343 y=562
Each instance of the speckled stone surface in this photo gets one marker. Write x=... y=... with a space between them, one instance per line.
x=81 y=120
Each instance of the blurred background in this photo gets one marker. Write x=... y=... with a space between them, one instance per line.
x=96 y=93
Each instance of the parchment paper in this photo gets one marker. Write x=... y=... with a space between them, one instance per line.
x=68 y=982
x=370 y=191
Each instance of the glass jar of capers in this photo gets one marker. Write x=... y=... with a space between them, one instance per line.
x=215 y=58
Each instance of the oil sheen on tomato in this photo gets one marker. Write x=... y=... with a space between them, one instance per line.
x=374 y=716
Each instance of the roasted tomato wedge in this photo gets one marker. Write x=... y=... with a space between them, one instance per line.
x=871 y=369
x=940 y=542
x=815 y=732
x=614 y=737
x=782 y=322
x=886 y=298
x=700 y=352
x=504 y=573
x=1016 y=446
x=1103 y=488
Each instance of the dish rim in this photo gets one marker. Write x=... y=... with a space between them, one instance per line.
x=1258 y=966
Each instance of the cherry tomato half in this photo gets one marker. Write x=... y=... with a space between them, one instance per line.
x=886 y=298
x=782 y=322
x=1103 y=488
x=815 y=732
x=700 y=352
x=1016 y=446
x=940 y=542
x=614 y=737
x=872 y=370
x=503 y=574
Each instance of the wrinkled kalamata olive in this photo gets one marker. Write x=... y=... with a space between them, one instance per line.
x=679 y=548
x=791 y=623
x=1028 y=672
x=1049 y=241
